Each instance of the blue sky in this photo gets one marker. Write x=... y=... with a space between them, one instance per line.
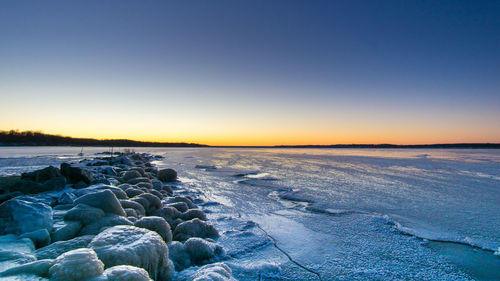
x=253 y=72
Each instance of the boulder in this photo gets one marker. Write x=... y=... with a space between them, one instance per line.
x=167 y=213
x=84 y=213
x=214 y=272
x=154 y=203
x=168 y=175
x=40 y=238
x=39 y=268
x=130 y=245
x=179 y=255
x=56 y=249
x=66 y=198
x=105 y=222
x=202 y=251
x=194 y=228
x=18 y=216
x=81 y=264
x=124 y=273
x=139 y=180
x=66 y=231
x=131 y=174
x=180 y=206
x=104 y=200
x=42 y=175
x=156 y=224
x=134 y=205
x=184 y=199
x=132 y=192
x=146 y=185
x=156 y=193
x=75 y=174
x=192 y=214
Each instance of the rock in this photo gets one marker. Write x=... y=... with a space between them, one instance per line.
x=180 y=206
x=18 y=216
x=10 y=195
x=157 y=184
x=56 y=249
x=75 y=174
x=146 y=185
x=154 y=202
x=134 y=205
x=40 y=238
x=132 y=192
x=104 y=200
x=142 y=201
x=214 y=272
x=202 y=251
x=179 y=255
x=80 y=185
x=184 y=199
x=110 y=171
x=39 y=268
x=131 y=174
x=84 y=213
x=131 y=213
x=176 y=222
x=156 y=193
x=192 y=214
x=158 y=225
x=66 y=198
x=68 y=230
x=167 y=189
x=167 y=175
x=106 y=222
x=167 y=213
x=130 y=245
x=42 y=175
x=81 y=264
x=139 y=180
x=125 y=273
x=194 y=228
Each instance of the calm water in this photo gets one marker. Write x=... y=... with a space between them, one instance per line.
x=345 y=214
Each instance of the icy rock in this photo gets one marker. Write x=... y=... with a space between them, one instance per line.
x=134 y=205
x=156 y=224
x=39 y=268
x=66 y=198
x=214 y=272
x=184 y=199
x=180 y=206
x=131 y=213
x=124 y=273
x=18 y=216
x=167 y=213
x=202 y=251
x=194 y=228
x=131 y=174
x=68 y=230
x=132 y=192
x=84 y=213
x=139 y=180
x=156 y=193
x=146 y=185
x=79 y=264
x=75 y=174
x=167 y=189
x=104 y=200
x=130 y=245
x=192 y=214
x=105 y=222
x=8 y=196
x=179 y=255
x=154 y=203
x=40 y=238
x=167 y=175
x=54 y=250
x=42 y=175
x=157 y=184
x=139 y=169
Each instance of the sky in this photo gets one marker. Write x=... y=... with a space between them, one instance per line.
x=253 y=72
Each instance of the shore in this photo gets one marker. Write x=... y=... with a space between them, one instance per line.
x=115 y=217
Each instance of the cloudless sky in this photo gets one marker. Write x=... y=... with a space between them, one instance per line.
x=253 y=72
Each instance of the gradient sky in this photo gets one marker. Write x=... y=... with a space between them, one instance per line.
x=253 y=72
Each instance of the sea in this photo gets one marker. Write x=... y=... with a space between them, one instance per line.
x=333 y=214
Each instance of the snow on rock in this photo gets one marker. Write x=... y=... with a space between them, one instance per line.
x=79 y=264
x=167 y=175
x=105 y=222
x=130 y=245
x=104 y=200
x=65 y=231
x=133 y=205
x=18 y=216
x=15 y=251
x=131 y=174
x=192 y=214
x=202 y=251
x=156 y=224
x=180 y=206
x=194 y=228
x=54 y=250
x=124 y=273
x=38 y=268
x=84 y=213
x=167 y=213
x=179 y=198
x=154 y=203
x=179 y=255
x=214 y=272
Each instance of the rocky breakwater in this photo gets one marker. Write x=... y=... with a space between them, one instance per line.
x=110 y=218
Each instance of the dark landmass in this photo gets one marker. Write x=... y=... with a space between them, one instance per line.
x=30 y=138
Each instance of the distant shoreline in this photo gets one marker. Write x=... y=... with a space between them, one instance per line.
x=29 y=138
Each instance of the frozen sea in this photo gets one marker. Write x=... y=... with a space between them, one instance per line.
x=335 y=214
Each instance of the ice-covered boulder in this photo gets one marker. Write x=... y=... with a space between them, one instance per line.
x=75 y=174
x=103 y=223
x=146 y=185
x=214 y=272
x=66 y=231
x=154 y=203
x=134 y=205
x=124 y=273
x=194 y=228
x=192 y=214
x=80 y=264
x=104 y=200
x=84 y=213
x=180 y=206
x=156 y=224
x=139 y=180
x=156 y=193
x=168 y=213
x=179 y=198
x=40 y=237
x=66 y=198
x=132 y=192
x=131 y=174
x=39 y=268
x=202 y=251
x=19 y=216
x=167 y=175
x=130 y=245
x=56 y=249
x=42 y=175
x=179 y=255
